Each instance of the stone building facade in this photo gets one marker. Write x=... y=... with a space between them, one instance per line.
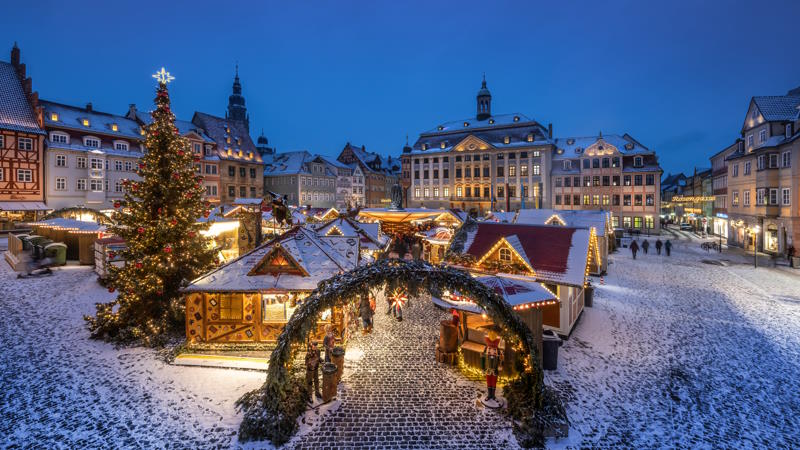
x=379 y=173
x=305 y=179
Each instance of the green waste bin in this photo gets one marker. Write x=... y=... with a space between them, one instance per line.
x=27 y=241
x=56 y=251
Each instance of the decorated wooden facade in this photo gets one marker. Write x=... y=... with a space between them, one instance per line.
x=557 y=257
x=371 y=240
x=250 y=299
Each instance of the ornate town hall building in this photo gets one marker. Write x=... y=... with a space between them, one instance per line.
x=508 y=162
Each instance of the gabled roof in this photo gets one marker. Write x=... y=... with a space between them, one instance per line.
x=368 y=233
x=289 y=163
x=320 y=258
x=16 y=112
x=557 y=254
x=368 y=159
x=71 y=117
x=777 y=108
x=217 y=129
x=574 y=147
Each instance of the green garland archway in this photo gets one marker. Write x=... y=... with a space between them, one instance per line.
x=272 y=410
x=68 y=213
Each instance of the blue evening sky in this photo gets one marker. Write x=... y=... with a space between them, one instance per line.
x=675 y=75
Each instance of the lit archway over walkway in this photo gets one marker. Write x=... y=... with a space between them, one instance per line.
x=271 y=412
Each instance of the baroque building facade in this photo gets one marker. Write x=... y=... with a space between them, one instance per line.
x=509 y=162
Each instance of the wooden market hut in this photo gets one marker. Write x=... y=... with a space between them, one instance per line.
x=250 y=299
x=527 y=297
x=79 y=236
x=558 y=257
x=435 y=243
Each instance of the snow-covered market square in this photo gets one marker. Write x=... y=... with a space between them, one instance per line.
x=675 y=352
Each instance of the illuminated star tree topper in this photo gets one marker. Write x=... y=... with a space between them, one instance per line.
x=163 y=76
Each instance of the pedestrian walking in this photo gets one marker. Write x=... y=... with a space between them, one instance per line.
x=645 y=246
x=668 y=247
x=659 y=244
x=634 y=248
x=312 y=368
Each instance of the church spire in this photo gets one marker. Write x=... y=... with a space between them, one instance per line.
x=484 y=101
x=236 y=105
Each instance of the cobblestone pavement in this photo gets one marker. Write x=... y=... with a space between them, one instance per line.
x=59 y=389
x=677 y=352
x=397 y=396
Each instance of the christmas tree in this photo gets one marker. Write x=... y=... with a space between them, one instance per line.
x=158 y=220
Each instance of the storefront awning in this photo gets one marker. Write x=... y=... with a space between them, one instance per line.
x=23 y=206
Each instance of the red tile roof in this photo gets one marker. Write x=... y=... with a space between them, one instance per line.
x=546 y=247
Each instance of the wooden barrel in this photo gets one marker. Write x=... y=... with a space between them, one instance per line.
x=448 y=336
x=337 y=358
x=328 y=382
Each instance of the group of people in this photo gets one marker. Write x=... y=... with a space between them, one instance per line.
x=646 y=246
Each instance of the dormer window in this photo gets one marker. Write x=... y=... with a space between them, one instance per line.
x=516 y=118
x=491 y=121
x=59 y=138
x=228 y=140
x=530 y=137
x=567 y=165
x=114 y=127
x=424 y=146
x=230 y=152
x=250 y=155
x=91 y=142
x=85 y=122
x=637 y=161
x=141 y=131
x=441 y=128
x=788 y=132
x=240 y=153
x=54 y=117
x=570 y=141
x=629 y=146
x=121 y=145
x=443 y=144
x=466 y=124
x=227 y=129
x=506 y=139
x=238 y=141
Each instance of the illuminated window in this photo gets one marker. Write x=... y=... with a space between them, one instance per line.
x=230 y=306
x=54 y=117
x=114 y=127
x=505 y=255
x=85 y=122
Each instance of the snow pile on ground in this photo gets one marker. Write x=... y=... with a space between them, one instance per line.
x=678 y=353
x=62 y=390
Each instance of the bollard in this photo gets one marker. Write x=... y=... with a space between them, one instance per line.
x=328 y=382
x=337 y=358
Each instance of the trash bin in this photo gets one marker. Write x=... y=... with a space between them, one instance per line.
x=26 y=241
x=588 y=295
x=38 y=247
x=57 y=251
x=550 y=344
x=328 y=382
x=337 y=358
x=796 y=262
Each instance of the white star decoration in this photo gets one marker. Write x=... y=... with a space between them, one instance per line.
x=163 y=76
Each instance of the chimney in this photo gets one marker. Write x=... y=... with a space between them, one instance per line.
x=21 y=71
x=550 y=131
x=27 y=85
x=132 y=111
x=89 y=107
x=15 y=55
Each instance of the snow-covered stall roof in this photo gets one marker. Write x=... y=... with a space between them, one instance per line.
x=556 y=254
x=518 y=292
x=599 y=220
x=368 y=233
x=496 y=216
x=296 y=261
x=70 y=224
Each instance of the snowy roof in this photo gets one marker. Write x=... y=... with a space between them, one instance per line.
x=557 y=254
x=496 y=216
x=70 y=224
x=599 y=220
x=289 y=163
x=402 y=215
x=72 y=117
x=516 y=291
x=574 y=147
x=248 y=201
x=472 y=123
x=309 y=259
x=368 y=234
x=76 y=145
x=778 y=107
x=16 y=112
x=184 y=126
x=371 y=161
x=217 y=129
x=439 y=235
x=493 y=131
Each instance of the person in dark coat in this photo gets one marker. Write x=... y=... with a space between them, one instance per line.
x=668 y=247
x=634 y=248
x=645 y=246
x=366 y=312
x=658 y=246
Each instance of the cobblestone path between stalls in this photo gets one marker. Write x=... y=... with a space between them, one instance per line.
x=398 y=396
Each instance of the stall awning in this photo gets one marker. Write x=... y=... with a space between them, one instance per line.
x=518 y=292
x=23 y=206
